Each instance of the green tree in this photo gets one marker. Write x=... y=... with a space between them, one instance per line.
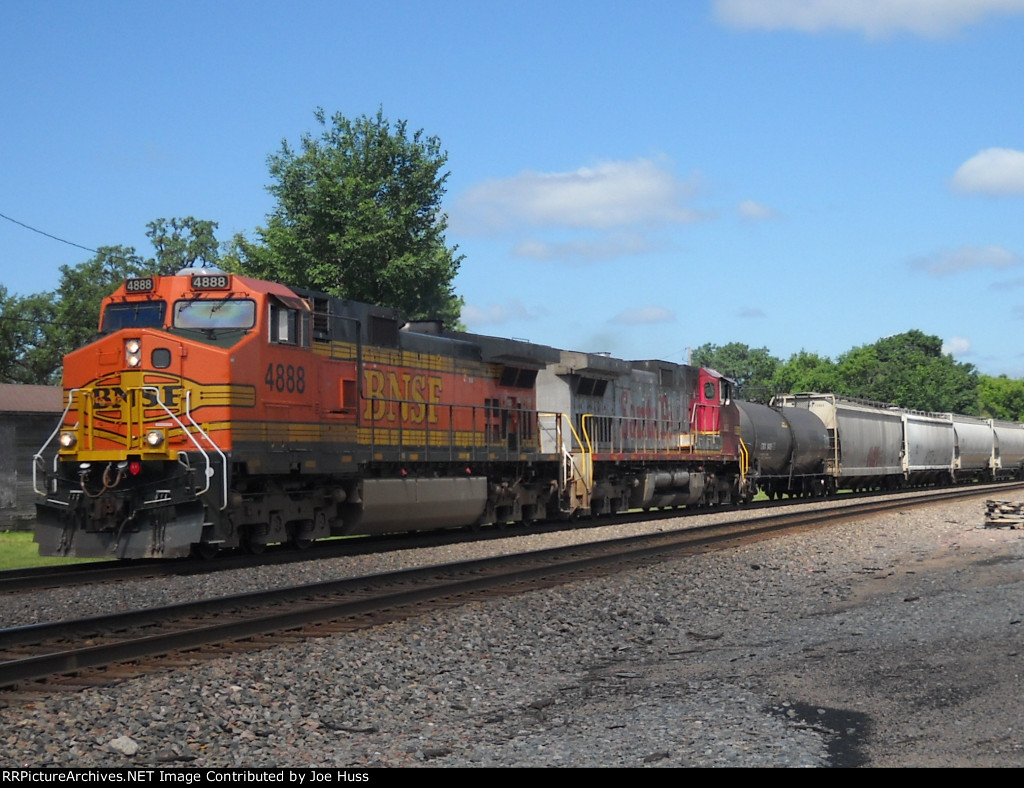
x=752 y=369
x=1001 y=398
x=911 y=371
x=26 y=325
x=181 y=243
x=359 y=216
x=805 y=372
x=10 y=317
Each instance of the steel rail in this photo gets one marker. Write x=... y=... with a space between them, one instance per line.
x=333 y=600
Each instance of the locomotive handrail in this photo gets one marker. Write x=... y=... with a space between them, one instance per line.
x=39 y=454
x=206 y=457
x=519 y=431
x=651 y=435
x=584 y=474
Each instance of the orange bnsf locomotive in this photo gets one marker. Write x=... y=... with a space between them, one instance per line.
x=217 y=411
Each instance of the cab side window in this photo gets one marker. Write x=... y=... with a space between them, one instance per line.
x=287 y=326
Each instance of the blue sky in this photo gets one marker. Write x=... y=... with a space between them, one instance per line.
x=638 y=178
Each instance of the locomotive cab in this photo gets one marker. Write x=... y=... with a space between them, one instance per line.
x=142 y=452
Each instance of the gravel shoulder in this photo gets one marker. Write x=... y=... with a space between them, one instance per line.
x=895 y=641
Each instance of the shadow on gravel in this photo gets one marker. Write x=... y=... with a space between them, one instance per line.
x=844 y=731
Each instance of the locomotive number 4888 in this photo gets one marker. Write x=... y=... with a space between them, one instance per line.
x=286 y=377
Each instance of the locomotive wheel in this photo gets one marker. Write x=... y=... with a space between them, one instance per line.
x=301 y=534
x=253 y=547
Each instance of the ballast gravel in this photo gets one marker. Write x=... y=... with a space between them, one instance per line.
x=893 y=641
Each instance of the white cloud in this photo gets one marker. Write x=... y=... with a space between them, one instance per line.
x=609 y=195
x=995 y=171
x=966 y=258
x=473 y=315
x=608 y=247
x=644 y=315
x=956 y=346
x=755 y=211
x=751 y=312
x=873 y=18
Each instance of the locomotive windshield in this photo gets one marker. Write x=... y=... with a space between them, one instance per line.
x=215 y=313
x=141 y=314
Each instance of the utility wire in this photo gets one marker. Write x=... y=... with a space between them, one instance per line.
x=48 y=235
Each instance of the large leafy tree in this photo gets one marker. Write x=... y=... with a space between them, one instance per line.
x=805 y=371
x=1001 y=398
x=911 y=371
x=182 y=243
x=751 y=368
x=359 y=216
x=27 y=354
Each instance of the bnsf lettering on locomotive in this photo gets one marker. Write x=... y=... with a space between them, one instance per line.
x=411 y=396
x=106 y=397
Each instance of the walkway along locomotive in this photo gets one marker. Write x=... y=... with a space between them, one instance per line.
x=216 y=411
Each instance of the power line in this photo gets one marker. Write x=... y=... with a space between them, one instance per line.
x=48 y=235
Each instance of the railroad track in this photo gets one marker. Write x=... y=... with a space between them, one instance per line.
x=37 y=578
x=106 y=649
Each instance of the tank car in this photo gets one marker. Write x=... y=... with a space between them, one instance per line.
x=219 y=411
x=789 y=448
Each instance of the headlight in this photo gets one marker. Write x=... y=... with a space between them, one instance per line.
x=68 y=440
x=154 y=438
x=132 y=352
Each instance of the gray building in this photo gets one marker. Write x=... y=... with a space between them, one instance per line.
x=28 y=416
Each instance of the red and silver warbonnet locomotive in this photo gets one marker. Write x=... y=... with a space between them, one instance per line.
x=217 y=411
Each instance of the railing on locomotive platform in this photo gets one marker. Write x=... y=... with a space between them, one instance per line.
x=480 y=433
x=637 y=435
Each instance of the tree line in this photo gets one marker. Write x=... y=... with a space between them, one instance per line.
x=908 y=370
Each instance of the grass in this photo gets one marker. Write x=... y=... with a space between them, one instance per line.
x=18 y=551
